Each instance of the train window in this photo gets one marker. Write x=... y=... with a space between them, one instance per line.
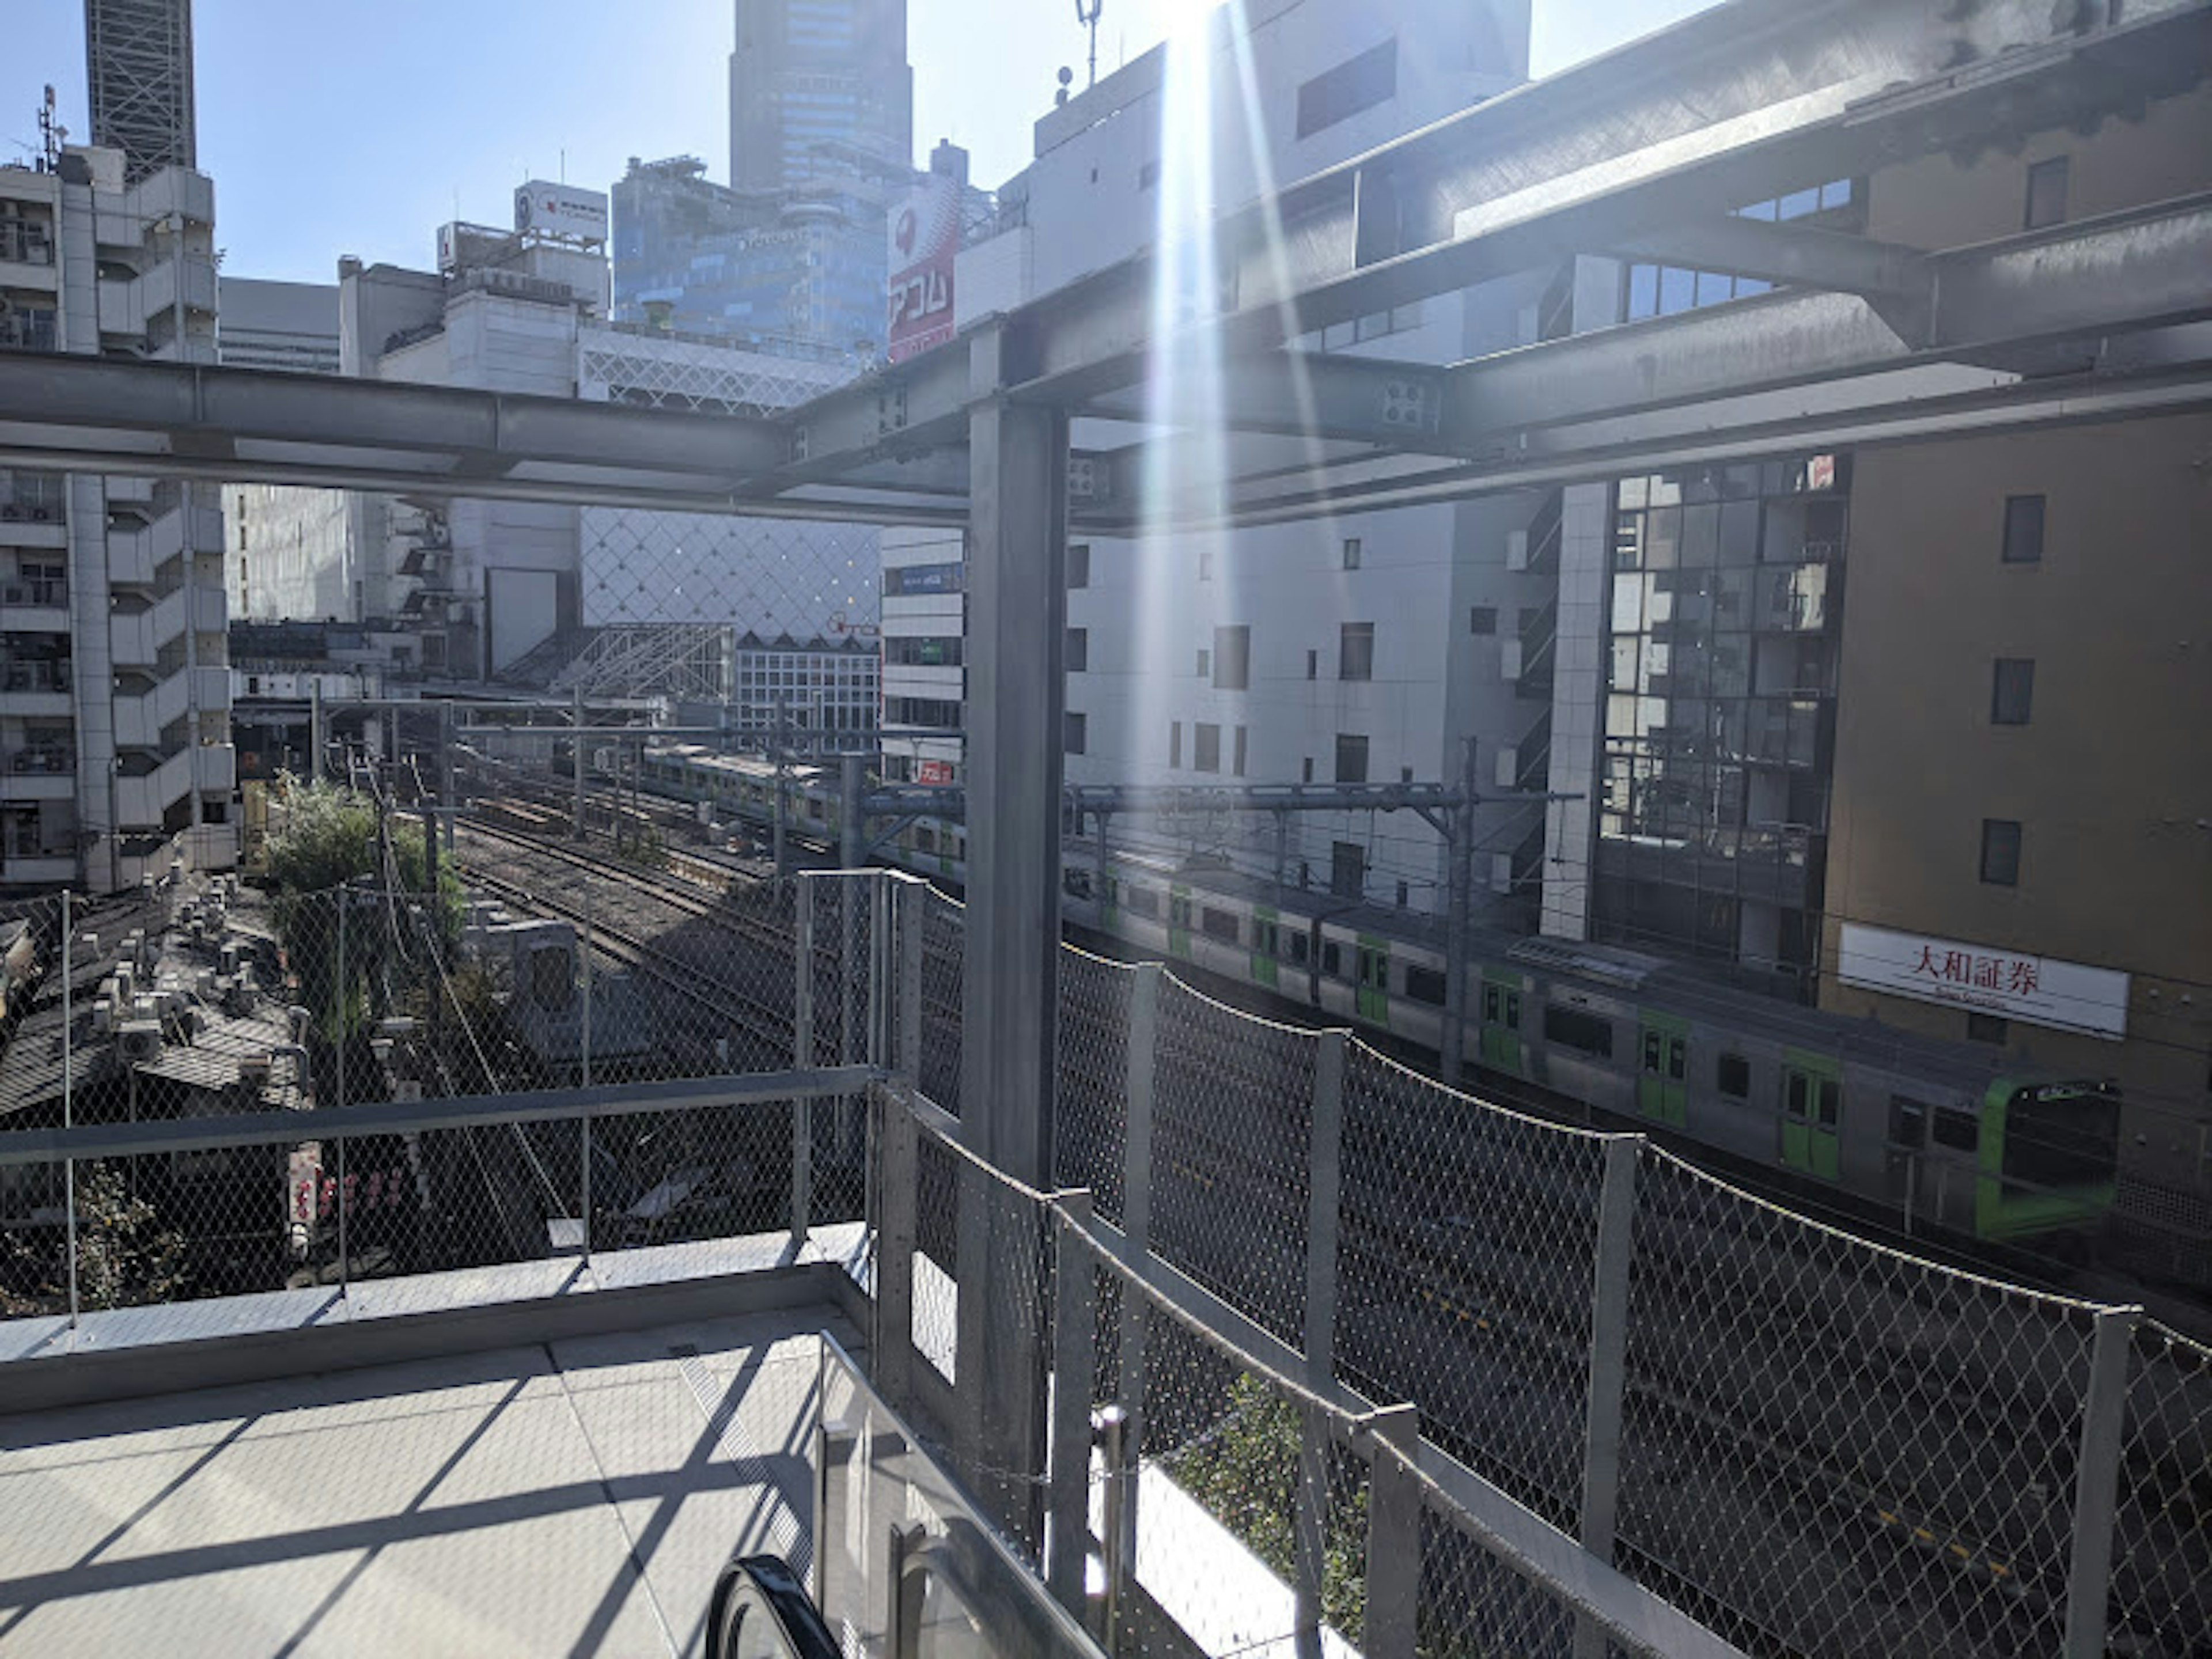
x=1076 y=884
x=1572 y=1028
x=1374 y=968
x=1908 y=1122
x=1299 y=949
x=1831 y=1102
x=1143 y=901
x=1178 y=909
x=1265 y=939
x=1795 y=1092
x=1424 y=984
x=1512 y=1011
x=1678 y=1058
x=1653 y=1042
x=1332 y=958
x=1219 y=924
x=1493 y=1004
x=1957 y=1129
x=2069 y=1140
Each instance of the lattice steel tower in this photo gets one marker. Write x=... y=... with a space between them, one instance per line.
x=138 y=67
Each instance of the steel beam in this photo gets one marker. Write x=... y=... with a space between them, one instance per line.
x=1803 y=256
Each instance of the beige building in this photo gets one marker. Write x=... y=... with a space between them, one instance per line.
x=2022 y=801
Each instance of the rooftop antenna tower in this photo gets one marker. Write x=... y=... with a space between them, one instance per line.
x=1086 y=13
x=51 y=134
x=138 y=69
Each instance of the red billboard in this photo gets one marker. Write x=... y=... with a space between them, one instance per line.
x=924 y=235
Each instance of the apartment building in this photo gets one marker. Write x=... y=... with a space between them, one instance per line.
x=115 y=750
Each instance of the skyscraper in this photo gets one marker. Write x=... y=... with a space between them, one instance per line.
x=816 y=85
x=138 y=75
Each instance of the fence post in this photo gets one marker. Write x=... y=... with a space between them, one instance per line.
x=913 y=923
x=1612 y=1251
x=345 y=1252
x=834 y=1444
x=68 y=1100
x=1074 y=1372
x=584 y=1123
x=802 y=1045
x=2096 y=1481
x=1324 y=1190
x=1117 y=1449
x=1394 y=1534
x=1137 y=1230
x=892 y=1340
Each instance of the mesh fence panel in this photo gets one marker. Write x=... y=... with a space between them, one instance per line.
x=2161 y=1584
x=1231 y=1149
x=1090 y=1116
x=1465 y=1264
x=1471 y=1606
x=944 y=937
x=1838 y=1447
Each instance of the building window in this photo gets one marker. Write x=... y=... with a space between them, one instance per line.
x=1339 y=93
x=1986 y=1028
x=1174 y=743
x=1305 y=771
x=1206 y=564
x=1355 y=658
x=1232 y=658
x=1313 y=665
x=1206 y=747
x=2023 y=530
x=1075 y=733
x=1733 y=1077
x=1079 y=565
x=1405 y=774
x=2000 y=852
x=1351 y=552
x=1482 y=619
x=1347 y=869
x=2013 y=692
x=2046 y=193
x=1205 y=662
x=1236 y=764
x=1350 y=759
x=1079 y=650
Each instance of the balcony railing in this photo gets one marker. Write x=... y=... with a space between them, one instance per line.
x=1301 y=1352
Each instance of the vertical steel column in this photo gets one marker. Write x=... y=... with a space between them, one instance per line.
x=584 y=1049
x=1459 y=881
x=1394 y=1535
x=316 y=735
x=913 y=909
x=345 y=1257
x=802 y=1059
x=69 y=1099
x=2096 y=1481
x=1324 y=1190
x=1074 y=1370
x=446 y=769
x=781 y=740
x=1614 y=1252
x=1017 y=615
x=1118 y=1448
x=835 y=1443
x=1015 y=634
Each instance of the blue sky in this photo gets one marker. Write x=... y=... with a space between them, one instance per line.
x=336 y=126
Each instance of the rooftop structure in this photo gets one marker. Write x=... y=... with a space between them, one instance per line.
x=138 y=67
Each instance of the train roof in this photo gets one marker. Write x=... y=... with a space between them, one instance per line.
x=1657 y=983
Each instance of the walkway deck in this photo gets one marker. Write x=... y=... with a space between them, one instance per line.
x=574 y=1496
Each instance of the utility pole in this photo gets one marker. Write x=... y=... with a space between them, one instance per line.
x=576 y=761
x=1458 y=848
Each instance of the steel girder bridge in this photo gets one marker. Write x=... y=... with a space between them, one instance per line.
x=1643 y=153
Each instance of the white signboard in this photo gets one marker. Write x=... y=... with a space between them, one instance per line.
x=2066 y=995
x=560 y=210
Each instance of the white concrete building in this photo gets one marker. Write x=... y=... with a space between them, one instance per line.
x=1358 y=648
x=289 y=327
x=499 y=589
x=925 y=622
x=115 y=749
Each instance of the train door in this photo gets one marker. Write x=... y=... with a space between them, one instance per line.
x=1501 y=1021
x=1266 y=942
x=1663 y=1086
x=1812 y=1113
x=1179 y=922
x=1374 y=1000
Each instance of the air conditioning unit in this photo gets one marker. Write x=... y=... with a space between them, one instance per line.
x=138 y=1041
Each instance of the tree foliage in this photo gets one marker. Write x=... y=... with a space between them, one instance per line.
x=125 y=1257
x=1247 y=1476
